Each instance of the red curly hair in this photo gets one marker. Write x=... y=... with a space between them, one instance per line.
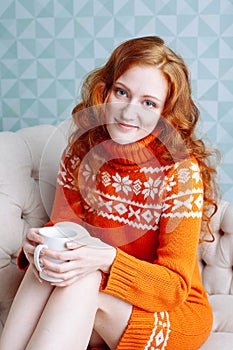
x=180 y=115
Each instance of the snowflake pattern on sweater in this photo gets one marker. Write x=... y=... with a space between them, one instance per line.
x=137 y=203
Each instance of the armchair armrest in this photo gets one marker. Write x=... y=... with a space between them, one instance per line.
x=29 y=160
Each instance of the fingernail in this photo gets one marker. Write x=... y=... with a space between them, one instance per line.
x=71 y=244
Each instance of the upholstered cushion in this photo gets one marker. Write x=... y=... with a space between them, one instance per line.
x=216 y=261
x=29 y=162
x=218 y=256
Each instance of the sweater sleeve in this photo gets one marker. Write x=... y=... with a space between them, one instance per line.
x=67 y=205
x=165 y=284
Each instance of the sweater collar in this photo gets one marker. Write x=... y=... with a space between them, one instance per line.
x=134 y=153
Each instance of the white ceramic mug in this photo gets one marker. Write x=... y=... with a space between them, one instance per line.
x=55 y=238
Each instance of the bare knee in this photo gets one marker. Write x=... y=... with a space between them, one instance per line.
x=84 y=292
x=93 y=278
x=92 y=282
x=89 y=286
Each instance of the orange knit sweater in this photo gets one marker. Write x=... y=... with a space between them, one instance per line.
x=152 y=213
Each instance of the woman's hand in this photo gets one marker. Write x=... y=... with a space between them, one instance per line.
x=77 y=262
x=30 y=241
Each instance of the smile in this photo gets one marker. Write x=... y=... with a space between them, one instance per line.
x=126 y=126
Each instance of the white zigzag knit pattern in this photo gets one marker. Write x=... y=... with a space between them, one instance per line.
x=138 y=201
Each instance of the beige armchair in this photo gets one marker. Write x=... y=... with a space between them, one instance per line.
x=29 y=160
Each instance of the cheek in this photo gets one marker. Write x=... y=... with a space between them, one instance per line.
x=111 y=98
x=112 y=109
x=109 y=114
x=150 y=120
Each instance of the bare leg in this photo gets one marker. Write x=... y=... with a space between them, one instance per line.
x=25 y=312
x=72 y=313
x=111 y=320
x=68 y=317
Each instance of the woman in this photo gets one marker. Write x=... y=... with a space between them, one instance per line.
x=136 y=176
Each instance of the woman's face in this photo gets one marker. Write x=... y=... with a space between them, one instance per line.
x=135 y=103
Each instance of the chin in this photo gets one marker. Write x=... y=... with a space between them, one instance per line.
x=122 y=141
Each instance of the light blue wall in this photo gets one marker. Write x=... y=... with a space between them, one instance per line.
x=48 y=46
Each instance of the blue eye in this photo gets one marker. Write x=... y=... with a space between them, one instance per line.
x=150 y=104
x=120 y=92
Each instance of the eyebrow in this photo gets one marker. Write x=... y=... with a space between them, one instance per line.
x=145 y=96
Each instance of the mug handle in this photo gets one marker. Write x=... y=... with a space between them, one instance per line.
x=37 y=256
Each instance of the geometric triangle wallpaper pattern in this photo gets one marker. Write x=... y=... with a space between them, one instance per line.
x=47 y=47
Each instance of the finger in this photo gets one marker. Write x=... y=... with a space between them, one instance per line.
x=59 y=268
x=65 y=283
x=74 y=245
x=28 y=249
x=61 y=276
x=34 y=236
x=70 y=281
x=66 y=271
x=64 y=255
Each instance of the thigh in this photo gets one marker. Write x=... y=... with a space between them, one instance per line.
x=25 y=312
x=68 y=318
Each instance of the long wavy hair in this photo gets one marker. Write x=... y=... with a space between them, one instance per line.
x=179 y=117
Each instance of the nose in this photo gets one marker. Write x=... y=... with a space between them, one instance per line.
x=129 y=111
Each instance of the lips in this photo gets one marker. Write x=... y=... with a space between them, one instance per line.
x=125 y=126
